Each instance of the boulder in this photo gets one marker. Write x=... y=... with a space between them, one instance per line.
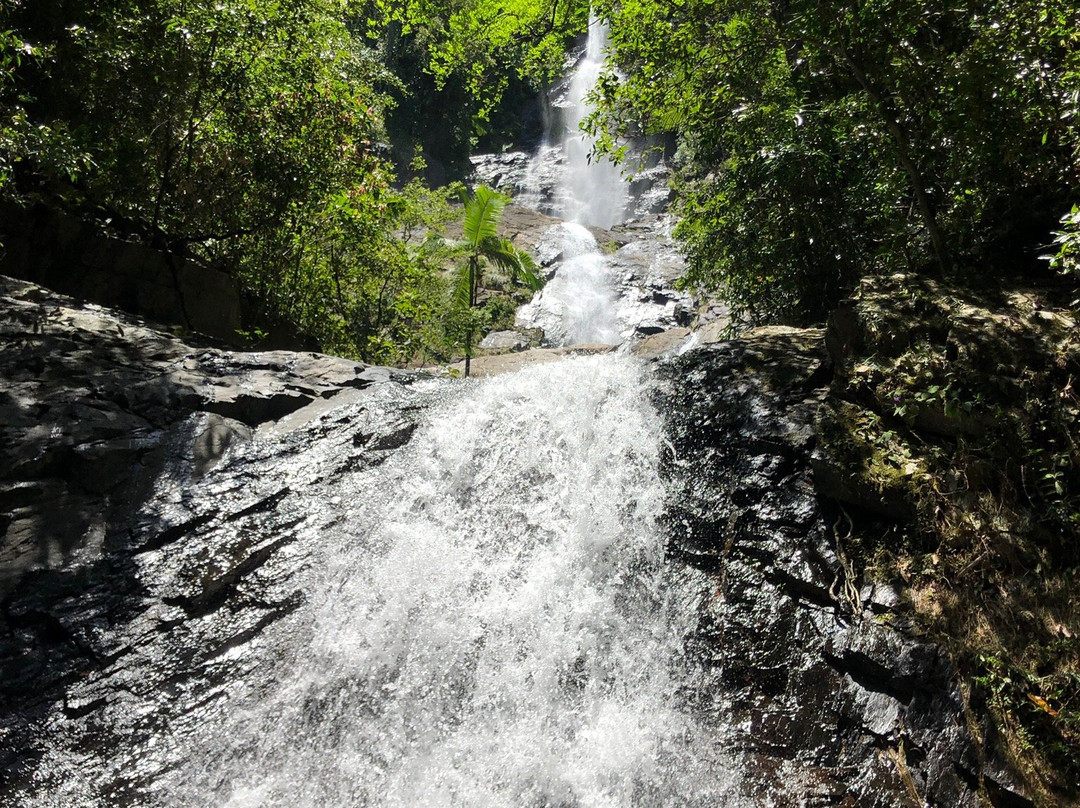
x=504 y=341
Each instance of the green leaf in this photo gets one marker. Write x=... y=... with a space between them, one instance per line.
x=459 y=292
x=483 y=210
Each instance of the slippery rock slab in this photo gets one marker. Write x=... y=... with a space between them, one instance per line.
x=825 y=688
x=90 y=400
x=152 y=527
x=663 y=344
x=482 y=366
x=610 y=287
x=536 y=179
x=504 y=341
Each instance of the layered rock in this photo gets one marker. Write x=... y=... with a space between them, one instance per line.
x=834 y=700
x=137 y=574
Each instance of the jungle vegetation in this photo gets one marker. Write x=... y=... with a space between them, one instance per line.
x=312 y=147
x=814 y=142
x=820 y=142
x=255 y=135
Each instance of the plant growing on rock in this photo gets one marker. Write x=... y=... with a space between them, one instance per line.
x=482 y=246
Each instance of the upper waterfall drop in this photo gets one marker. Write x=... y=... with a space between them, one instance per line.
x=579 y=305
x=587 y=191
x=596 y=192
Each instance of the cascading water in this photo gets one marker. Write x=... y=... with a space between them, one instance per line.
x=595 y=192
x=586 y=191
x=495 y=623
x=578 y=305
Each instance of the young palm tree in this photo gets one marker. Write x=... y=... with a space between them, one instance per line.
x=482 y=244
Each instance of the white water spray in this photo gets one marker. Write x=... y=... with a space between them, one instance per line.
x=595 y=191
x=578 y=305
x=496 y=625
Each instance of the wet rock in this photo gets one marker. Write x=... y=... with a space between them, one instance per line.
x=537 y=180
x=154 y=529
x=157 y=528
x=661 y=344
x=866 y=714
x=504 y=341
x=645 y=271
x=483 y=366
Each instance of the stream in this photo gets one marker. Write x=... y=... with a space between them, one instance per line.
x=287 y=580
x=492 y=623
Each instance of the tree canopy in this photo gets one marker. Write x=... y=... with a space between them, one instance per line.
x=816 y=141
x=820 y=141
x=253 y=134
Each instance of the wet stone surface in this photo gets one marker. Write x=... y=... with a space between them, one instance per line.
x=823 y=686
x=153 y=501
x=156 y=501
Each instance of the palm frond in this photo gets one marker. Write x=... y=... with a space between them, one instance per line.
x=516 y=263
x=482 y=213
x=459 y=292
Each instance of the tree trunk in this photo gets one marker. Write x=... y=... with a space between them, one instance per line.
x=472 y=304
x=907 y=162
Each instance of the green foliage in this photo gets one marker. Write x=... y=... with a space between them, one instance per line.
x=47 y=148
x=364 y=276
x=823 y=141
x=500 y=312
x=483 y=43
x=246 y=133
x=1066 y=259
x=469 y=65
x=482 y=245
x=204 y=122
x=956 y=439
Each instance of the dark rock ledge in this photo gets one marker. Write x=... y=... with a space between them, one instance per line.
x=133 y=585
x=836 y=702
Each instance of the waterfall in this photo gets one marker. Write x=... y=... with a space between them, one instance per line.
x=494 y=622
x=595 y=192
x=494 y=625
x=585 y=191
x=579 y=304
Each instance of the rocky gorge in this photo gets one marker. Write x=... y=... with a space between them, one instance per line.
x=643 y=562
x=159 y=533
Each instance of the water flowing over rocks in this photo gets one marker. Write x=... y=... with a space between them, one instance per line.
x=284 y=579
x=613 y=297
x=163 y=508
x=533 y=180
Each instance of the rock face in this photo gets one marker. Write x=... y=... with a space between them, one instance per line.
x=53 y=249
x=133 y=582
x=505 y=341
x=832 y=699
x=156 y=499
x=534 y=180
